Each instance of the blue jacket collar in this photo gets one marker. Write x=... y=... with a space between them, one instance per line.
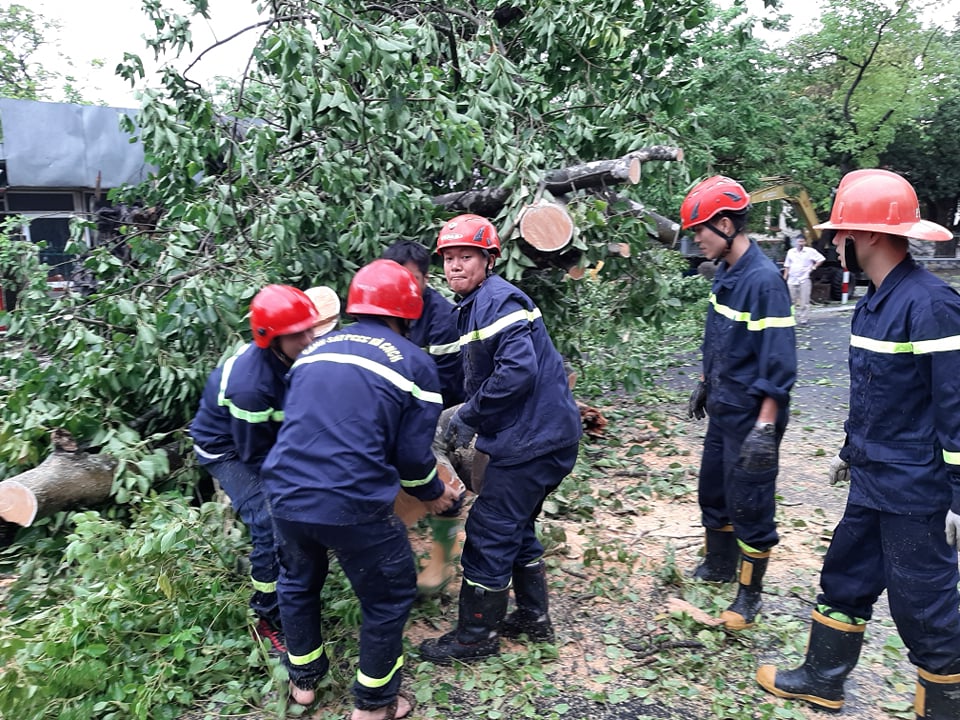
x=727 y=276
x=876 y=295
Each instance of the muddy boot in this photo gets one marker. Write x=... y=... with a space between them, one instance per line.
x=832 y=653
x=530 y=617
x=743 y=611
x=938 y=696
x=475 y=636
x=720 y=557
x=440 y=568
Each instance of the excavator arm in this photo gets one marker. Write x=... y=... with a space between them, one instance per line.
x=781 y=188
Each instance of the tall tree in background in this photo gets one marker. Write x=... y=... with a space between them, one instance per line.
x=871 y=68
x=741 y=118
x=21 y=35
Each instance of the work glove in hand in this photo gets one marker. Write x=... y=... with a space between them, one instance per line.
x=759 y=449
x=696 y=406
x=953 y=529
x=839 y=471
x=458 y=433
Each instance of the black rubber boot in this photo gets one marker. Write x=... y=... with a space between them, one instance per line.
x=832 y=653
x=938 y=696
x=475 y=636
x=746 y=606
x=531 y=616
x=720 y=557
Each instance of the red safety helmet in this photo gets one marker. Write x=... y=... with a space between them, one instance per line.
x=280 y=310
x=880 y=201
x=711 y=196
x=385 y=288
x=469 y=231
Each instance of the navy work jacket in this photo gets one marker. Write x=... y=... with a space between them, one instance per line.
x=903 y=432
x=749 y=348
x=361 y=413
x=435 y=332
x=518 y=397
x=241 y=408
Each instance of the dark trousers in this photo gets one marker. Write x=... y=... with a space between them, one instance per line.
x=249 y=500
x=501 y=526
x=377 y=560
x=729 y=494
x=907 y=555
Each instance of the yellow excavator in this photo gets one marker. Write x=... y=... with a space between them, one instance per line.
x=828 y=278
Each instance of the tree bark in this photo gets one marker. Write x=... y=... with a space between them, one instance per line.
x=487 y=202
x=596 y=174
x=64 y=479
x=667 y=230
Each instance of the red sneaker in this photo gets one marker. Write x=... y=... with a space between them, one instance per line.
x=266 y=629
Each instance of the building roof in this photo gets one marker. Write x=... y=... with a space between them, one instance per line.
x=61 y=145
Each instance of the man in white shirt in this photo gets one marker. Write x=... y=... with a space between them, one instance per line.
x=799 y=263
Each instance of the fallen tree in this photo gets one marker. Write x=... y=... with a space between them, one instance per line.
x=544 y=227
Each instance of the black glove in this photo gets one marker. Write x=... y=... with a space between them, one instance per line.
x=458 y=433
x=696 y=406
x=759 y=449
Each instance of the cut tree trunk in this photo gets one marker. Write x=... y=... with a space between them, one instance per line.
x=66 y=478
x=598 y=173
x=546 y=226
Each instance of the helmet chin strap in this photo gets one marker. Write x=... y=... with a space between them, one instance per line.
x=728 y=238
x=288 y=361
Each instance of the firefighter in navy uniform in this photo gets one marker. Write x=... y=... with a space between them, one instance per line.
x=361 y=412
x=520 y=408
x=237 y=423
x=435 y=332
x=749 y=368
x=900 y=528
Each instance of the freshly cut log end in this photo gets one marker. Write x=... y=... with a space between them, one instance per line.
x=18 y=504
x=547 y=227
x=62 y=480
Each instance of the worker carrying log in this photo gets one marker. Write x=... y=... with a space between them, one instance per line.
x=513 y=378
x=900 y=529
x=236 y=425
x=359 y=421
x=435 y=332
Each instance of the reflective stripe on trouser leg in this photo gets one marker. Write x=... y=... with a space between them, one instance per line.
x=379 y=563
x=303 y=572
x=250 y=503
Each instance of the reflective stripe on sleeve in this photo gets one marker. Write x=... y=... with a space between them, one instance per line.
x=744 y=317
x=386 y=373
x=918 y=347
x=951 y=458
x=448 y=349
x=507 y=320
x=261 y=416
x=417 y=483
x=370 y=682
